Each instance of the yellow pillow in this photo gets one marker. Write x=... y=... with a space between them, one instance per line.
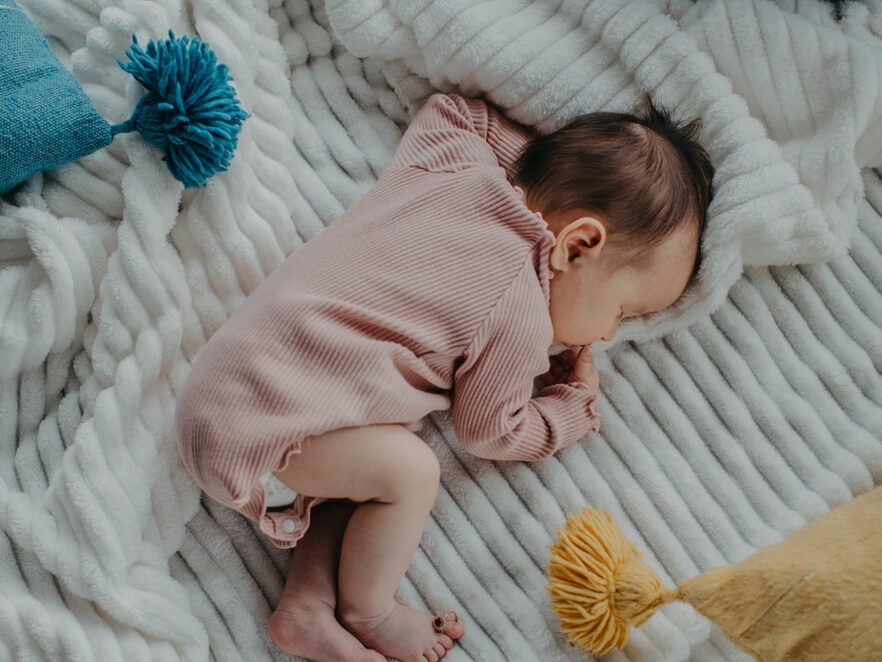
x=816 y=596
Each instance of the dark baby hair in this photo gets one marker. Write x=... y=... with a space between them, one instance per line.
x=645 y=175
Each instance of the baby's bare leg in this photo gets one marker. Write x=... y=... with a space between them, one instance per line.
x=304 y=623
x=394 y=476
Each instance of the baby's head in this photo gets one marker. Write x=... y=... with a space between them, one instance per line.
x=626 y=197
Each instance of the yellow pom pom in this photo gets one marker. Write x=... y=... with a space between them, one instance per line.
x=598 y=584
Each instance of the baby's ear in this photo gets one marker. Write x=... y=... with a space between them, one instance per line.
x=587 y=233
x=578 y=244
x=583 y=236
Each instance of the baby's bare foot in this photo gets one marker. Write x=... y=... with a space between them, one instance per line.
x=306 y=627
x=404 y=634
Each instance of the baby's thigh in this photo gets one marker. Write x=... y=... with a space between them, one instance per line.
x=368 y=463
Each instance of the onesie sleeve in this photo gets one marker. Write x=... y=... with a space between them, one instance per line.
x=494 y=412
x=450 y=132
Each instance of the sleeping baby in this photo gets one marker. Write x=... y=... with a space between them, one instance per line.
x=480 y=247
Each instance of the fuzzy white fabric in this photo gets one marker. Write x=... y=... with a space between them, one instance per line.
x=789 y=102
x=718 y=439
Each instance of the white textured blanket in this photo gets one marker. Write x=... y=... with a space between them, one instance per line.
x=718 y=439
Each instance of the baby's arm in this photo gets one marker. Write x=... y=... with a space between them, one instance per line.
x=494 y=413
x=450 y=132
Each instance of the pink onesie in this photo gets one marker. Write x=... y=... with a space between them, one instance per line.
x=430 y=292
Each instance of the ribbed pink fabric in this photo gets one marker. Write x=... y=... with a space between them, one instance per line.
x=434 y=285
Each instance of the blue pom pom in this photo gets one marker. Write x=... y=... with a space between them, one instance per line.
x=189 y=110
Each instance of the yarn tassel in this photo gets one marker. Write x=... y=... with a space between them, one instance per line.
x=189 y=109
x=598 y=584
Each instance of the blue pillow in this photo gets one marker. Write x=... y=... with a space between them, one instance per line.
x=46 y=119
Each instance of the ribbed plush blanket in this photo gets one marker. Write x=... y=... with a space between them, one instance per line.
x=729 y=422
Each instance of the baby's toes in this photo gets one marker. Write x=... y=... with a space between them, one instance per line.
x=453 y=630
x=430 y=656
x=439 y=650
x=445 y=641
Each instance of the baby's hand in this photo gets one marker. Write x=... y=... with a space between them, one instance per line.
x=561 y=365
x=584 y=370
x=575 y=367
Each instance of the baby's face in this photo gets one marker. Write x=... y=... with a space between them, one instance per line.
x=590 y=298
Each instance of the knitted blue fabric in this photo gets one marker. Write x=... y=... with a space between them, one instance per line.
x=45 y=117
x=189 y=110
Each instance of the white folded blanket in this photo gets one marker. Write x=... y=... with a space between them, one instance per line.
x=719 y=438
x=789 y=101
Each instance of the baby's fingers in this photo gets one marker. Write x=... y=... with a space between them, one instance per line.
x=584 y=369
